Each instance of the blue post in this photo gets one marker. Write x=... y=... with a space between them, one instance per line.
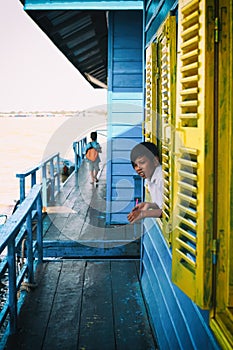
x=12 y=287
x=79 y=154
x=84 y=143
x=33 y=179
x=44 y=186
x=75 y=156
x=58 y=173
x=22 y=188
x=29 y=248
x=52 y=181
x=39 y=229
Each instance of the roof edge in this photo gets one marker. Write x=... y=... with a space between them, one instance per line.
x=83 y=5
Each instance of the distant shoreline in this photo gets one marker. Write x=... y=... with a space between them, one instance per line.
x=45 y=114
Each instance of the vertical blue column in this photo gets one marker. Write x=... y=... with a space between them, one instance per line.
x=12 y=287
x=39 y=229
x=22 y=188
x=29 y=248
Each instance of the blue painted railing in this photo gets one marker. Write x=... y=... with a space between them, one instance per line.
x=50 y=179
x=79 y=152
x=50 y=174
x=13 y=234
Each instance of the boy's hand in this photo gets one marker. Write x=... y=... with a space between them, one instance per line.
x=141 y=206
x=135 y=215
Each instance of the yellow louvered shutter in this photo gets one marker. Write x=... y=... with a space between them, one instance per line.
x=193 y=185
x=166 y=42
x=150 y=107
x=160 y=107
x=222 y=312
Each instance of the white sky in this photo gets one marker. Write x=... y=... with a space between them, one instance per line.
x=34 y=74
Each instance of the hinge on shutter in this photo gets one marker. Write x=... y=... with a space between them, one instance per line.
x=214 y=251
x=216 y=29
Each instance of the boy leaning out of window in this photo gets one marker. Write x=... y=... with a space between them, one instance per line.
x=145 y=160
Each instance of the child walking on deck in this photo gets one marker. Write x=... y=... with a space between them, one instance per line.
x=92 y=154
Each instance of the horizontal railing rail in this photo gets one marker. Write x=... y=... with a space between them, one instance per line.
x=17 y=241
x=51 y=172
x=50 y=179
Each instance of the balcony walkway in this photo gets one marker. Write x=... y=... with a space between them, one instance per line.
x=88 y=301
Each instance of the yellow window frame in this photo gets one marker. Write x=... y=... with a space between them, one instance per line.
x=193 y=156
x=222 y=310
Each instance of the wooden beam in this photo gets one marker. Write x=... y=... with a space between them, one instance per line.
x=91 y=249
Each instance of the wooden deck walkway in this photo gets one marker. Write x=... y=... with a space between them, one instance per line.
x=76 y=222
x=81 y=304
x=85 y=304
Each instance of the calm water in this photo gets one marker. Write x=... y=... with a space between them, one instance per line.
x=26 y=141
x=22 y=145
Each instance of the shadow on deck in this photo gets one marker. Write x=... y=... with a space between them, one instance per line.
x=90 y=299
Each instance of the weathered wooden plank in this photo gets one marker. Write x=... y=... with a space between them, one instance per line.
x=97 y=329
x=64 y=320
x=84 y=305
x=36 y=310
x=133 y=330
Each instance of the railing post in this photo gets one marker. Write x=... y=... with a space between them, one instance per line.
x=33 y=179
x=80 y=152
x=75 y=156
x=44 y=187
x=29 y=248
x=52 y=198
x=39 y=229
x=12 y=287
x=58 y=173
x=22 y=188
x=84 y=143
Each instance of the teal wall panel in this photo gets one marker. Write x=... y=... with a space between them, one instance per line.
x=125 y=110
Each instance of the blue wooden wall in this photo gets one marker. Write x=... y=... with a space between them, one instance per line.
x=178 y=323
x=125 y=109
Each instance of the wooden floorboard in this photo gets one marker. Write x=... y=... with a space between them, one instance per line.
x=97 y=321
x=132 y=327
x=85 y=304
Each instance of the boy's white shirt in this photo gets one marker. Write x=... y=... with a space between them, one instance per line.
x=155 y=186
